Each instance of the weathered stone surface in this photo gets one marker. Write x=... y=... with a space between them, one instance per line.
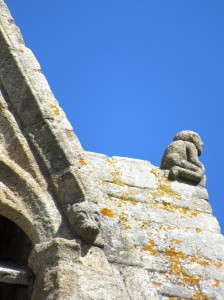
x=42 y=122
x=112 y=170
x=161 y=240
x=68 y=272
x=138 y=284
x=54 y=264
x=165 y=230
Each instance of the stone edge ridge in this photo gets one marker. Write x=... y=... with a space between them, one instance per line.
x=42 y=121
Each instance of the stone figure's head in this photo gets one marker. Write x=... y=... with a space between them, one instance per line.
x=85 y=219
x=192 y=137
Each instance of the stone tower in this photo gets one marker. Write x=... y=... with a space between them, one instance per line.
x=78 y=225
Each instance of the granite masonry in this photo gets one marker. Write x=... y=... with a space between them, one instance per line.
x=80 y=225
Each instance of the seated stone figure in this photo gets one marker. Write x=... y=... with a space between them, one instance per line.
x=181 y=157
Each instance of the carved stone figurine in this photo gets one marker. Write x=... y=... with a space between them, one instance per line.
x=181 y=157
x=85 y=219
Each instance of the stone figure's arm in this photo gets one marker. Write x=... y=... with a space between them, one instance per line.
x=192 y=155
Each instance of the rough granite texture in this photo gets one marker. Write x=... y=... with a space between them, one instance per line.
x=160 y=238
x=160 y=235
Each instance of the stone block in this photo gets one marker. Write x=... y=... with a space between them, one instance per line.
x=134 y=172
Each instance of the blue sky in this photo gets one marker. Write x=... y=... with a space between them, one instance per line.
x=131 y=74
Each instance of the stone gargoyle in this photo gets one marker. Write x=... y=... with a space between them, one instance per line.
x=85 y=220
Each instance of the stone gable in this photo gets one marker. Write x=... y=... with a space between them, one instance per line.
x=157 y=239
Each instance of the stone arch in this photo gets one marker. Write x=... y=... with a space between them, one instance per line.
x=15 y=276
x=26 y=203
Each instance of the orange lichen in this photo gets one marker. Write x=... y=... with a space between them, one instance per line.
x=178 y=270
x=216 y=283
x=123 y=217
x=163 y=189
x=201 y=260
x=218 y=265
x=185 y=278
x=175 y=241
x=198 y=229
x=171 y=252
x=150 y=247
x=167 y=227
x=55 y=109
x=198 y=295
x=204 y=263
x=164 y=205
x=128 y=227
x=157 y=283
x=172 y=208
x=146 y=224
x=59 y=121
x=107 y=212
x=83 y=162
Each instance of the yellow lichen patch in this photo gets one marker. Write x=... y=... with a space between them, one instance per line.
x=198 y=295
x=216 y=283
x=114 y=173
x=201 y=260
x=55 y=109
x=123 y=217
x=128 y=227
x=70 y=135
x=183 y=210
x=150 y=247
x=198 y=230
x=176 y=255
x=218 y=265
x=155 y=171
x=103 y=182
x=163 y=189
x=107 y=212
x=145 y=224
x=123 y=198
x=176 y=268
x=204 y=263
x=115 y=178
x=185 y=278
x=167 y=227
x=83 y=162
x=133 y=202
x=175 y=241
x=157 y=283
x=59 y=121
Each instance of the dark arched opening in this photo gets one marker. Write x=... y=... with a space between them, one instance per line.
x=15 y=248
